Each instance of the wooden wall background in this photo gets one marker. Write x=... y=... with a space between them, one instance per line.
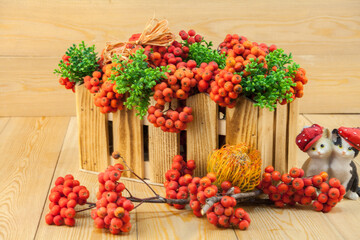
x=324 y=37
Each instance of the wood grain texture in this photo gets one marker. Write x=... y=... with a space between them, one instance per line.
x=241 y=123
x=281 y=141
x=289 y=223
x=84 y=224
x=28 y=87
x=163 y=147
x=93 y=132
x=29 y=150
x=3 y=123
x=308 y=29
x=161 y=221
x=128 y=140
x=202 y=133
x=265 y=137
x=293 y=120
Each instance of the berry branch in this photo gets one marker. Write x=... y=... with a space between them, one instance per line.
x=211 y=201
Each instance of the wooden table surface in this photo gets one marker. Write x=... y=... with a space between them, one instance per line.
x=35 y=151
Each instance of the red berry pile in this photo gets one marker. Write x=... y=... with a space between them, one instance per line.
x=172 y=120
x=64 y=197
x=112 y=209
x=292 y=188
x=190 y=36
x=178 y=178
x=65 y=81
x=107 y=99
x=226 y=88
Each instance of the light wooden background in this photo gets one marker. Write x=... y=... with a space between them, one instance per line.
x=324 y=37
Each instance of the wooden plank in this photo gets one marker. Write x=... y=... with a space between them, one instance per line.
x=161 y=221
x=266 y=137
x=202 y=133
x=84 y=224
x=128 y=140
x=280 y=146
x=333 y=77
x=33 y=90
x=93 y=132
x=29 y=150
x=241 y=123
x=289 y=223
x=163 y=146
x=293 y=120
x=3 y=122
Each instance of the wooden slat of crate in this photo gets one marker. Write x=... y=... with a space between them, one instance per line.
x=93 y=132
x=266 y=136
x=241 y=123
x=293 y=119
x=163 y=146
x=280 y=146
x=128 y=140
x=202 y=133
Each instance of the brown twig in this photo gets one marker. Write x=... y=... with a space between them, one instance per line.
x=85 y=209
x=140 y=178
x=211 y=201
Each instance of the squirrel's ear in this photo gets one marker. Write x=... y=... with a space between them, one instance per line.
x=327 y=133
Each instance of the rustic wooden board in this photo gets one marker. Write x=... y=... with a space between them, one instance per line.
x=281 y=141
x=128 y=140
x=289 y=223
x=3 y=122
x=29 y=90
x=333 y=78
x=29 y=150
x=202 y=133
x=93 y=132
x=293 y=120
x=160 y=221
x=266 y=137
x=241 y=123
x=84 y=225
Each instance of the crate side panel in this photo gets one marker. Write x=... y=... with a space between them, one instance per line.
x=266 y=136
x=163 y=146
x=128 y=140
x=293 y=118
x=241 y=123
x=202 y=132
x=280 y=146
x=92 y=132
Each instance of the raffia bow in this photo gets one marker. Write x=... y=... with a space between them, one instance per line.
x=155 y=33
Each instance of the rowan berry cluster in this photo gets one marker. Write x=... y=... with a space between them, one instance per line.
x=108 y=99
x=64 y=197
x=178 y=178
x=172 y=120
x=292 y=188
x=112 y=209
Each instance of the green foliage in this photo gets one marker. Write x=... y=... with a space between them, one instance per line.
x=266 y=86
x=136 y=79
x=83 y=62
x=202 y=52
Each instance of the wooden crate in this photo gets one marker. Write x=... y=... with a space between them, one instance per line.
x=273 y=133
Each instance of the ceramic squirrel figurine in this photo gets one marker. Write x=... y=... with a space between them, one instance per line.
x=346 y=146
x=317 y=144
